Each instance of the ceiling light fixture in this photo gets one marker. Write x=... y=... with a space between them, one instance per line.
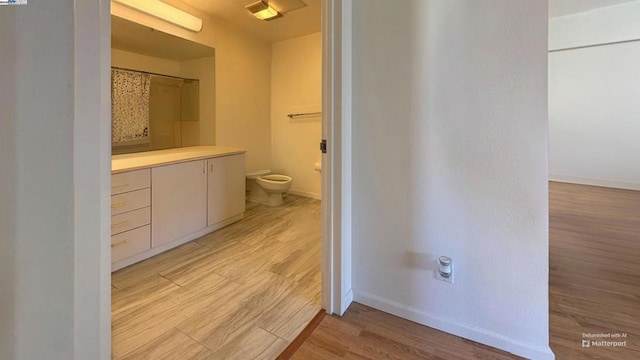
x=166 y=12
x=263 y=11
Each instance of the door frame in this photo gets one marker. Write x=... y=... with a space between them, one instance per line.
x=337 y=293
x=93 y=29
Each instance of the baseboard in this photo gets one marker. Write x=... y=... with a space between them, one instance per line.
x=468 y=332
x=305 y=194
x=595 y=182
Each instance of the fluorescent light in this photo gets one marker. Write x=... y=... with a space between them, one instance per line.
x=265 y=14
x=164 y=12
x=263 y=11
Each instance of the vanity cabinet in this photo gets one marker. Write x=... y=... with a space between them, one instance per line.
x=225 y=188
x=179 y=201
x=177 y=197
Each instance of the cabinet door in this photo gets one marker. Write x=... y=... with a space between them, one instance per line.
x=216 y=194
x=178 y=201
x=226 y=188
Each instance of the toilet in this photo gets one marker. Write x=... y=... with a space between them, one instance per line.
x=267 y=188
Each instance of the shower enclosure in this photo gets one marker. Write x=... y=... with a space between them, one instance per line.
x=153 y=111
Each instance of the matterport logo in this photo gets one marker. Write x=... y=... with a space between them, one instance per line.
x=13 y=2
x=604 y=340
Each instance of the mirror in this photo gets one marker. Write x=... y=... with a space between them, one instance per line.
x=163 y=89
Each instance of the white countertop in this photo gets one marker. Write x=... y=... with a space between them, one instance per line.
x=142 y=160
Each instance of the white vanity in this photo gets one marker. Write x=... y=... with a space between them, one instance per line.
x=162 y=199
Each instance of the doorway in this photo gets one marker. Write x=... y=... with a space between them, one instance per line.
x=594 y=214
x=328 y=210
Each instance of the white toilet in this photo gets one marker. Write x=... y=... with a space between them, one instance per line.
x=267 y=188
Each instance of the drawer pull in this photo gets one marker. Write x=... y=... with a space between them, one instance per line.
x=120 y=243
x=119 y=205
x=121 y=223
x=119 y=186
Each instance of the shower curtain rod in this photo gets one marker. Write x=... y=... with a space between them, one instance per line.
x=153 y=74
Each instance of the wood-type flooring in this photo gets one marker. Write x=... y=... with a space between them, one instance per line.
x=243 y=292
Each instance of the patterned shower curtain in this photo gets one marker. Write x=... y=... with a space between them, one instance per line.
x=130 y=106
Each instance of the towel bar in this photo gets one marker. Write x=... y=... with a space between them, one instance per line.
x=303 y=114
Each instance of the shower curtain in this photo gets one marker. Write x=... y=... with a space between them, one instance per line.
x=130 y=106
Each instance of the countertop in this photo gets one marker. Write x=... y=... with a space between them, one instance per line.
x=147 y=159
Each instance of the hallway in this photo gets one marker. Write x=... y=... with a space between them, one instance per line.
x=594 y=279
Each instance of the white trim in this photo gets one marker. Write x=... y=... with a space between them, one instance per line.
x=336 y=129
x=92 y=180
x=447 y=325
x=328 y=269
x=594 y=182
x=347 y=300
x=308 y=194
x=346 y=156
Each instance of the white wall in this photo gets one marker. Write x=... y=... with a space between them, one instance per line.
x=243 y=81
x=450 y=158
x=54 y=176
x=593 y=95
x=296 y=87
x=243 y=99
x=40 y=110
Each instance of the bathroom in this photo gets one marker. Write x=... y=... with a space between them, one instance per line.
x=240 y=98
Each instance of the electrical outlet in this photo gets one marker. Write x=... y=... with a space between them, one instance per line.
x=444 y=269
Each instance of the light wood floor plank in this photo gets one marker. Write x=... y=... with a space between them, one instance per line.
x=276 y=320
x=253 y=344
x=594 y=278
x=219 y=291
x=142 y=271
x=171 y=345
x=366 y=333
x=216 y=327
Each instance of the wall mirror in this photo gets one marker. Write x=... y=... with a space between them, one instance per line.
x=162 y=89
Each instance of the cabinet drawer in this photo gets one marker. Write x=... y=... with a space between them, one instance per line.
x=130 y=243
x=130 y=181
x=130 y=220
x=133 y=200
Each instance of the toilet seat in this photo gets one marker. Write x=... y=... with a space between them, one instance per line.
x=275 y=178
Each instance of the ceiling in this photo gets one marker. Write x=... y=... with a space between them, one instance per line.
x=130 y=36
x=297 y=20
x=568 y=7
